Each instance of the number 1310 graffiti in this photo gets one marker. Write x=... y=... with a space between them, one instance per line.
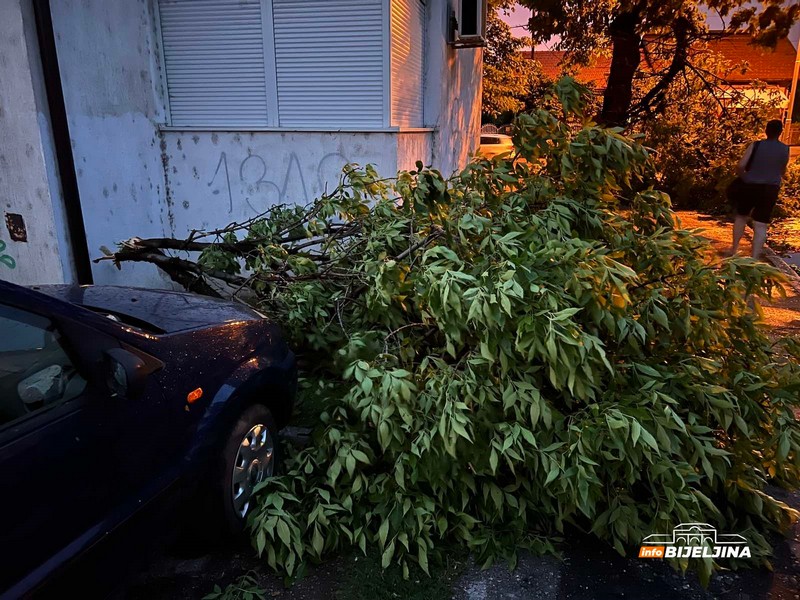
x=253 y=173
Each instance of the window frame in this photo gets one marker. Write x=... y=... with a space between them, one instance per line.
x=270 y=73
x=271 y=81
x=391 y=118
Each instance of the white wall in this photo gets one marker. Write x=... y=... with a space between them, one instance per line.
x=28 y=182
x=107 y=58
x=137 y=178
x=215 y=178
x=413 y=146
x=453 y=94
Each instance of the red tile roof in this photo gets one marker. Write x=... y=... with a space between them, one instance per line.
x=596 y=72
x=770 y=66
x=762 y=64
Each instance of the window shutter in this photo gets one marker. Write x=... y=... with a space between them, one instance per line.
x=329 y=61
x=408 y=63
x=214 y=58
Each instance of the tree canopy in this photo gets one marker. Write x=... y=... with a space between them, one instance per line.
x=512 y=357
x=508 y=75
x=586 y=26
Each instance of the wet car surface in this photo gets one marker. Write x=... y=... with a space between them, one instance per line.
x=112 y=399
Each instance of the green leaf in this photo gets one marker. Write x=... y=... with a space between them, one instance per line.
x=317 y=542
x=261 y=541
x=535 y=411
x=506 y=304
x=361 y=457
x=497 y=497
x=636 y=430
x=283 y=533
x=422 y=556
x=333 y=472
x=551 y=475
x=784 y=445
x=441 y=523
x=383 y=532
x=386 y=558
x=460 y=430
x=649 y=439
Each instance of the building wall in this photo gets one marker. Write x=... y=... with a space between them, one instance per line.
x=215 y=178
x=453 y=94
x=108 y=61
x=413 y=146
x=28 y=180
x=140 y=178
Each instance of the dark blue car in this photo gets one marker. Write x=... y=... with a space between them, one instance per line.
x=114 y=398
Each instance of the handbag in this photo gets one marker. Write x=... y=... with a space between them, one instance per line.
x=739 y=187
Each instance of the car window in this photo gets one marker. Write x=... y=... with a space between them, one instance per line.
x=489 y=139
x=35 y=369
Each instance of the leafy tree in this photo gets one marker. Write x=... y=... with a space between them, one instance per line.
x=699 y=135
x=586 y=26
x=789 y=204
x=518 y=357
x=508 y=75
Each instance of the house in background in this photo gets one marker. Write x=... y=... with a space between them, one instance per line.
x=772 y=69
x=150 y=118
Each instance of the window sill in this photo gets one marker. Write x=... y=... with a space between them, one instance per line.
x=261 y=129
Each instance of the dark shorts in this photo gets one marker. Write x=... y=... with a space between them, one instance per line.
x=757 y=200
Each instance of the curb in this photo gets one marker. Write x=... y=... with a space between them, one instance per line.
x=783 y=267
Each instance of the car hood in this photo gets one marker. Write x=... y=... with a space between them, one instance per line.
x=164 y=311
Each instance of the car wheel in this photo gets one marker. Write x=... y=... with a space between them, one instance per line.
x=250 y=457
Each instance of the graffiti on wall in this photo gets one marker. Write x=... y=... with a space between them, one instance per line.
x=264 y=189
x=5 y=258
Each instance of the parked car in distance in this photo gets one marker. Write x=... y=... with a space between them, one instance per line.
x=113 y=399
x=495 y=144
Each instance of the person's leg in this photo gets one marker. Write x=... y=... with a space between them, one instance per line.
x=738 y=231
x=759 y=237
x=744 y=206
x=767 y=196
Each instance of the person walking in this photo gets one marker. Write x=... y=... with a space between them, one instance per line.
x=761 y=170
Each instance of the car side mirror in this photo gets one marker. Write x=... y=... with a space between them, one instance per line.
x=126 y=373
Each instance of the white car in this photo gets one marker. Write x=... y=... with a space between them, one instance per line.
x=495 y=144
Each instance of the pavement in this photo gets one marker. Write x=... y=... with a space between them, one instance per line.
x=585 y=570
x=782 y=315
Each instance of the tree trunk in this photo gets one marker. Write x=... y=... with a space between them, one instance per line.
x=625 y=59
x=653 y=101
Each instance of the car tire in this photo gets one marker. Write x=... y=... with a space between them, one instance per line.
x=250 y=455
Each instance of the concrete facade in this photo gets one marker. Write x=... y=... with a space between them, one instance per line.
x=30 y=192
x=139 y=177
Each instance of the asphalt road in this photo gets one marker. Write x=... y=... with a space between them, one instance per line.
x=586 y=570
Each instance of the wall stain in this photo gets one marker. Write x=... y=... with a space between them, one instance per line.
x=167 y=186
